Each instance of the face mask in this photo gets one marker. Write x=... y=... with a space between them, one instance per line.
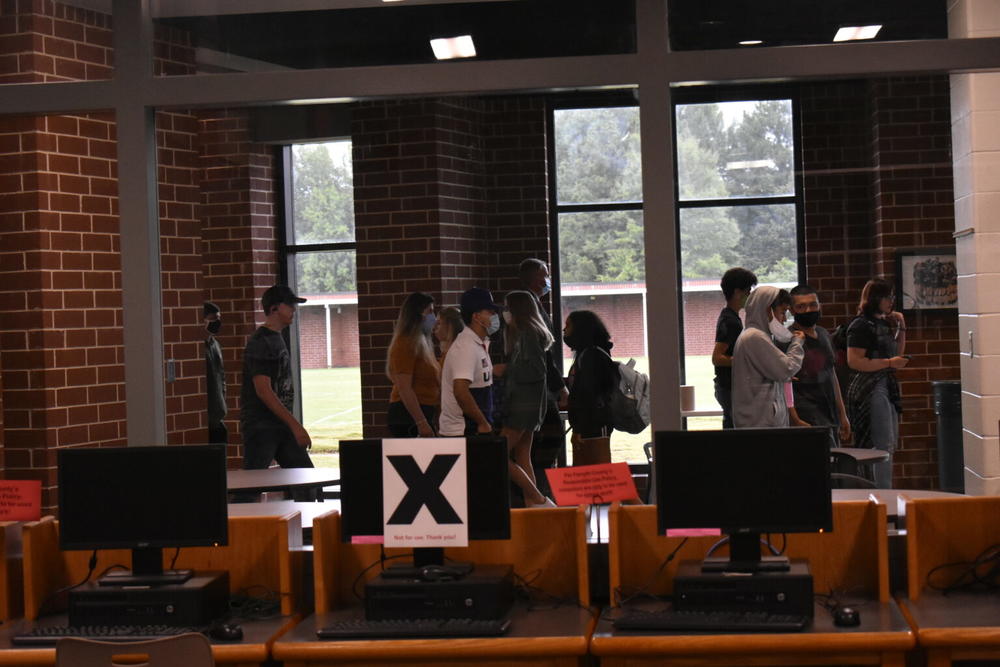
x=547 y=287
x=428 y=324
x=780 y=333
x=494 y=325
x=214 y=326
x=507 y=317
x=807 y=320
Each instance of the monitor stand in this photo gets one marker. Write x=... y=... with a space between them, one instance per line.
x=147 y=570
x=744 y=556
x=423 y=558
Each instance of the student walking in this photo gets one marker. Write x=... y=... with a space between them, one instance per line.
x=415 y=374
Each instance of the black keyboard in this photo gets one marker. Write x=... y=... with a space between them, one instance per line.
x=412 y=629
x=49 y=635
x=709 y=621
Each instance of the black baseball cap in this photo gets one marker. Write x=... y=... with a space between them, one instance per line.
x=476 y=299
x=277 y=294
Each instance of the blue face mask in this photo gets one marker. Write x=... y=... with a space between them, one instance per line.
x=428 y=324
x=494 y=325
x=547 y=287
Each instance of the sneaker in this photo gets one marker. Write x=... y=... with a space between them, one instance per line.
x=545 y=503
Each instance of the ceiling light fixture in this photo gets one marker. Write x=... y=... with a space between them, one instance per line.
x=751 y=42
x=453 y=47
x=857 y=32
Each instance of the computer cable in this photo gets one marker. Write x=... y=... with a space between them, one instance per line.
x=981 y=574
x=766 y=541
x=173 y=561
x=541 y=600
x=91 y=566
x=643 y=591
x=381 y=561
x=245 y=605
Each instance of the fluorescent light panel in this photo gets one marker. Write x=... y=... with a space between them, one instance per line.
x=453 y=47
x=857 y=32
x=751 y=42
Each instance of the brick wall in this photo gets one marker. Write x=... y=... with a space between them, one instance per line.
x=914 y=208
x=342 y=343
x=239 y=247
x=701 y=312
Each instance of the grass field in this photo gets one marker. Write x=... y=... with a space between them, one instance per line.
x=331 y=406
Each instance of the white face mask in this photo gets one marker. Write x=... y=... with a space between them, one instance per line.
x=778 y=330
x=494 y=325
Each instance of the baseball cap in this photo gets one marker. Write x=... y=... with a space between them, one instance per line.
x=476 y=299
x=277 y=294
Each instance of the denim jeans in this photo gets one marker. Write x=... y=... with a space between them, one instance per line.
x=884 y=431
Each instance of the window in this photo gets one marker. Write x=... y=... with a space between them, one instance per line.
x=601 y=257
x=320 y=255
x=737 y=205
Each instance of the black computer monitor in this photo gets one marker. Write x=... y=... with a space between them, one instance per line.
x=144 y=499
x=744 y=482
x=488 y=493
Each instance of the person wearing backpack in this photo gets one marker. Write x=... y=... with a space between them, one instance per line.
x=876 y=340
x=592 y=378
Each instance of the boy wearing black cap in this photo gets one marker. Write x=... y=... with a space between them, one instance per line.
x=270 y=430
x=467 y=376
x=215 y=375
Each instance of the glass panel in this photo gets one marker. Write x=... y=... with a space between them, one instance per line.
x=597 y=155
x=329 y=357
x=735 y=149
x=322 y=194
x=52 y=42
x=602 y=269
x=730 y=25
x=759 y=238
x=398 y=34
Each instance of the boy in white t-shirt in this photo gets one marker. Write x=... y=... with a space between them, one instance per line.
x=467 y=376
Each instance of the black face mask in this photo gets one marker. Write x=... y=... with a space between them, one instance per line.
x=807 y=320
x=214 y=326
x=571 y=341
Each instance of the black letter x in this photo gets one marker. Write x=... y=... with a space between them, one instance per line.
x=424 y=488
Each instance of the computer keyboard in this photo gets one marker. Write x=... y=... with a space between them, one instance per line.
x=49 y=635
x=412 y=629
x=709 y=621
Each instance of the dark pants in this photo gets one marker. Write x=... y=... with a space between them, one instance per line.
x=724 y=395
x=218 y=433
x=548 y=444
x=276 y=444
x=400 y=421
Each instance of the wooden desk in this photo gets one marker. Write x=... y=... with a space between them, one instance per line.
x=882 y=639
x=555 y=637
x=307 y=511
x=280 y=479
x=851 y=561
x=959 y=626
x=251 y=651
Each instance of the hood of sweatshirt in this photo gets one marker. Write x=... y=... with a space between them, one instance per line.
x=758 y=307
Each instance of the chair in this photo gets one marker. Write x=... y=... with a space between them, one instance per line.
x=845 y=473
x=190 y=650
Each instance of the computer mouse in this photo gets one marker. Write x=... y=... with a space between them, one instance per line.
x=846 y=616
x=226 y=632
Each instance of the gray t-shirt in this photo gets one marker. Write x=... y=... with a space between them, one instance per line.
x=265 y=354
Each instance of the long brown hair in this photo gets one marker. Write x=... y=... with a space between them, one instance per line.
x=872 y=294
x=409 y=330
x=525 y=316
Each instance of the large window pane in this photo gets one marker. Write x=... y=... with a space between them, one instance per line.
x=597 y=155
x=735 y=149
x=760 y=238
x=322 y=193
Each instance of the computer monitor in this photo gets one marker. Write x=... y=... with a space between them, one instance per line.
x=144 y=499
x=488 y=493
x=744 y=482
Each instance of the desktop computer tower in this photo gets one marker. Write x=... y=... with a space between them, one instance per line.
x=787 y=592
x=198 y=601
x=485 y=593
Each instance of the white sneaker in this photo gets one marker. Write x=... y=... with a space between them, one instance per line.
x=545 y=503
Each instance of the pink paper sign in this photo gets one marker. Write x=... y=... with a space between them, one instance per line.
x=583 y=485
x=20 y=500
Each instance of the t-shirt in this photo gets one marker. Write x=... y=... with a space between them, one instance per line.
x=468 y=358
x=815 y=397
x=727 y=329
x=873 y=335
x=265 y=354
x=403 y=358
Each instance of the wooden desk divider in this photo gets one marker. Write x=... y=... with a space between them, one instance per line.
x=547 y=548
x=947 y=530
x=852 y=559
x=264 y=554
x=11 y=571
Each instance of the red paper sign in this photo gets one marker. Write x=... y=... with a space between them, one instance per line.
x=584 y=485
x=20 y=500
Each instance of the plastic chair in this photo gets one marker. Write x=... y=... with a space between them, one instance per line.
x=845 y=473
x=190 y=650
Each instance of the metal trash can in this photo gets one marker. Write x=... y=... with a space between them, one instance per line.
x=951 y=460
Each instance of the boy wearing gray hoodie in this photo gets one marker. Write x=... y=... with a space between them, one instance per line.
x=760 y=369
